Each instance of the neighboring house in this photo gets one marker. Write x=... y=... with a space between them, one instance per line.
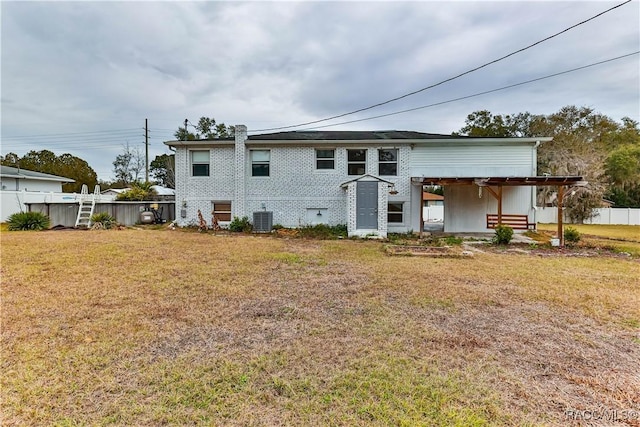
x=164 y=193
x=430 y=199
x=371 y=181
x=20 y=186
x=113 y=192
x=432 y=207
x=18 y=179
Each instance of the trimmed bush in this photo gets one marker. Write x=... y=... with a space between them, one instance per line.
x=28 y=221
x=571 y=235
x=103 y=220
x=503 y=235
x=240 y=224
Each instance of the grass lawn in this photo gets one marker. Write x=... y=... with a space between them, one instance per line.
x=616 y=232
x=622 y=238
x=159 y=327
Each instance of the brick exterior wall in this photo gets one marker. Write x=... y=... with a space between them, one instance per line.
x=294 y=190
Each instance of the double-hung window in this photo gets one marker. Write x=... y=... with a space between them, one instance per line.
x=388 y=162
x=394 y=212
x=325 y=159
x=200 y=163
x=356 y=162
x=260 y=160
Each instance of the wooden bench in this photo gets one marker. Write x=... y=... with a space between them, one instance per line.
x=517 y=222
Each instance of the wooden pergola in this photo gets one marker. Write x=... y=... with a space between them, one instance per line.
x=561 y=182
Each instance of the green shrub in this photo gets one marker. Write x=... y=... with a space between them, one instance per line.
x=453 y=240
x=28 y=221
x=323 y=231
x=240 y=224
x=503 y=235
x=103 y=220
x=138 y=191
x=571 y=235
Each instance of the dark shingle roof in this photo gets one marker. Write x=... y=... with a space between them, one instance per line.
x=347 y=135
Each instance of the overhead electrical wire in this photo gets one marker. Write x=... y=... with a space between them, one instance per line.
x=477 y=94
x=66 y=135
x=92 y=140
x=446 y=80
x=80 y=138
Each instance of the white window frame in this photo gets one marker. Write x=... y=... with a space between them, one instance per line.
x=356 y=162
x=387 y=162
x=200 y=162
x=401 y=212
x=254 y=162
x=332 y=159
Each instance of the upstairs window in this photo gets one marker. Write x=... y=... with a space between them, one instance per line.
x=325 y=159
x=356 y=162
x=388 y=162
x=260 y=162
x=200 y=163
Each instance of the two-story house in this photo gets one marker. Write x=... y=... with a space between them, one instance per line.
x=370 y=180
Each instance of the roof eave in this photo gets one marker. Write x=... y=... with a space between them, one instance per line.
x=390 y=141
x=37 y=178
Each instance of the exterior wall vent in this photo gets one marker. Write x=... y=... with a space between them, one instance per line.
x=262 y=222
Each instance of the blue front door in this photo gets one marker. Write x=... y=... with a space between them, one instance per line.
x=367 y=205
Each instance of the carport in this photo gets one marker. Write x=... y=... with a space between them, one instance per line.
x=495 y=185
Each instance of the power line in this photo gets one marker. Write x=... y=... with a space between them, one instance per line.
x=78 y=139
x=479 y=93
x=446 y=80
x=64 y=135
x=97 y=141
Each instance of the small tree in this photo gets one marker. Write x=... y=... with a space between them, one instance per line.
x=162 y=169
x=129 y=165
x=207 y=128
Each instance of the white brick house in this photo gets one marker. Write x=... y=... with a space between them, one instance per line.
x=371 y=181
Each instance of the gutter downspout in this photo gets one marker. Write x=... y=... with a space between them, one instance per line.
x=238 y=206
x=534 y=189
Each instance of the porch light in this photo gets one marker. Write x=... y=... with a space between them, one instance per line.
x=319 y=213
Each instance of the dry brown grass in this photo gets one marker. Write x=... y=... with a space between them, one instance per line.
x=629 y=233
x=619 y=238
x=153 y=327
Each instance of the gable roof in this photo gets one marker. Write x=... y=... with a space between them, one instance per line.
x=366 y=177
x=19 y=173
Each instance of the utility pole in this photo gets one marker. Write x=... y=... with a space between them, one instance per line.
x=146 y=149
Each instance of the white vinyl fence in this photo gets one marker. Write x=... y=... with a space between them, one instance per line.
x=608 y=216
x=433 y=213
x=15 y=201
